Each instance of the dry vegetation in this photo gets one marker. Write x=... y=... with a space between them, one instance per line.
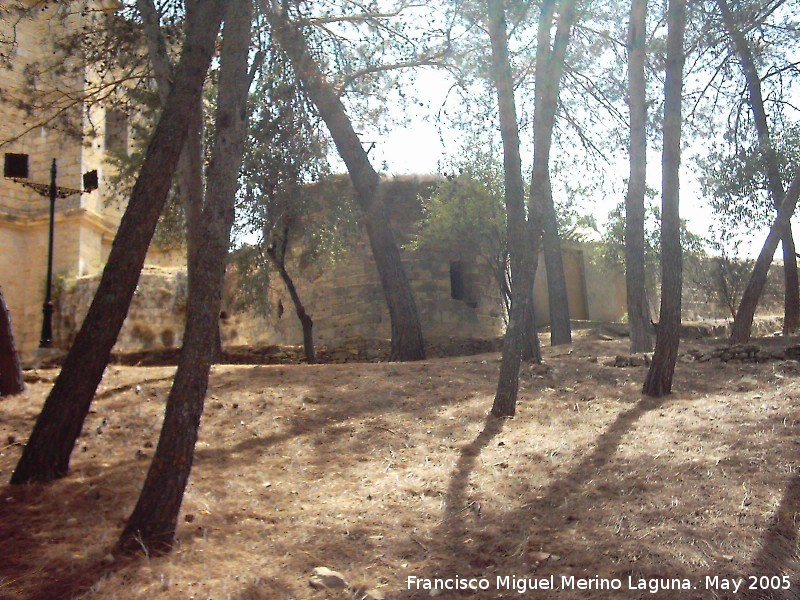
x=381 y=471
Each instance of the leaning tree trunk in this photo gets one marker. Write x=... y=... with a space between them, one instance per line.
x=638 y=306
x=306 y=322
x=659 y=377
x=46 y=456
x=407 y=342
x=519 y=246
x=152 y=525
x=190 y=165
x=278 y=257
x=550 y=60
x=11 y=380
x=743 y=322
x=791 y=299
x=191 y=187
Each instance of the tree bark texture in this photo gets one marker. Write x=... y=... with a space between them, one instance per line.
x=190 y=175
x=550 y=60
x=277 y=254
x=11 y=380
x=46 y=456
x=791 y=299
x=791 y=283
x=662 y=368
x=518 y=241
x=407 y=342
x=743 y=322
x=191 y=183
x=532 y=349
x=190 y=166
x=154 y=520
x=638 y=306
x=156 y=47
x=558 y=300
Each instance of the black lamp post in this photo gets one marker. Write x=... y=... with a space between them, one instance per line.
x=47 y=309
x=53 y=192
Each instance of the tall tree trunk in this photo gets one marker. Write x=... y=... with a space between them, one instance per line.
x=659 y=377
x=11 y=380
x=743 y=322
x=277 y=254
x=791 y=283
x=190 y=175
x=741 y=46
x=638 y=306
x=550 y=59
x=191 y=184
x=407 y=343
x=190 y=166
x=532 y=349
x=153 y=522
x=46 y=456
x=558 y=300
x=505 y=399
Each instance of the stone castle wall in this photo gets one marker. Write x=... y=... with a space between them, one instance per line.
x=347 y=300
x=455 y=293
x=73 y=135
x=156 y=317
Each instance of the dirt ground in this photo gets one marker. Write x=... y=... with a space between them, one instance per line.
x=385 y=472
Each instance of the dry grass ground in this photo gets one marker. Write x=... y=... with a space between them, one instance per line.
x=385 y=471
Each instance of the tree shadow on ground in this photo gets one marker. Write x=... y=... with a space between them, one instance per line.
x=326 y=416
x=367 y=405
x=25 y=423
x=495 y=545
x=37 y=522
x=778 y=554
x=455 y=502
x=110 y=393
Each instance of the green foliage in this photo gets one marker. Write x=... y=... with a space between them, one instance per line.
x=725 y=275
x=287 y=202
x=461 y=209
x=612 y=243
x=366 y=51
x=251 y=270
x=285 y=152
x=171 y=230
x=612 y=240
x=734 y=181
x=468 y=208
x=726 y=279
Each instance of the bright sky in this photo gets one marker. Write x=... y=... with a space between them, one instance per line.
x=418 y=148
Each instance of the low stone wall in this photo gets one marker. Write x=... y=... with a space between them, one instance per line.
x=156 y=316
x=346 y=299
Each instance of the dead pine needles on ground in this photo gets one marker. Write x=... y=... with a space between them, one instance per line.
x=384 y=471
